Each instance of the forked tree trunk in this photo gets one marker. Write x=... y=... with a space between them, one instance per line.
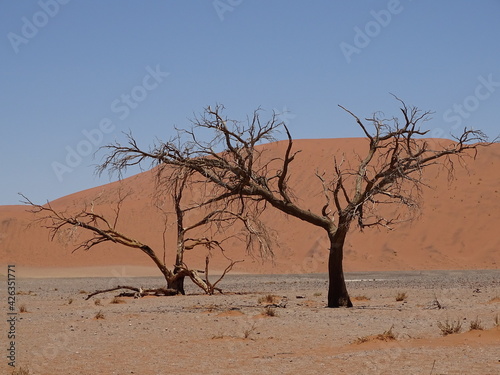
x=337 y=290
x=176 y=282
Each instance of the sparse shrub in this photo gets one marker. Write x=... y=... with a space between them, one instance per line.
x=386 y=336
x=23 y=293
x=70 y=301
x=266 y=299
x=401 y=296
x=270 y=311
x=117 y=300
x=449 y=327
x=361 y=340
x=361 y=298
x=97 y=302
x=248 y=331
x=476 y=325
x=82 y=291
x=21 y=371
x=23 y=308
x=99 y=315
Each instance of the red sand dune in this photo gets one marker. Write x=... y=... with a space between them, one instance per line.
x=456 y=229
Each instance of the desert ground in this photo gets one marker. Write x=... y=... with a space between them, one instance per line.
x=235 y=332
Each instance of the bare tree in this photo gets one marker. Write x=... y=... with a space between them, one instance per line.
x=210 y=213
x=389 y=174
x=102 y=229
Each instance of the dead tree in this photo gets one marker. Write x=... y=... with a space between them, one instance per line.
x=176 y=182
x=390 y=173
x=208 y=211
x=103 y=230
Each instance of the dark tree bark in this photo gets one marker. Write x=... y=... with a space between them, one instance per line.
x=337 y=289
x=177 y=281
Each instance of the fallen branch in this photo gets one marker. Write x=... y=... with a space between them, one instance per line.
x=139 y=292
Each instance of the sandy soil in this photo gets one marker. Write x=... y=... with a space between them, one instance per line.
x=231 y=334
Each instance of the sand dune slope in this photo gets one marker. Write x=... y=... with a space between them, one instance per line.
x=456 y=229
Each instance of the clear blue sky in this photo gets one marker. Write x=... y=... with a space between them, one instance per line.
x=70 y=68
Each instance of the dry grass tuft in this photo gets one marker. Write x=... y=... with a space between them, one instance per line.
x=386 y=336
x=476 y=325
x=28 y=293
x=23 y=308
x=21 y=371
x=449 y=327
x=270 y=311
x=266 y=299
x=70 y=301
x=401 y=296
x=361 y=298
x=99 y=315
x=117 y=300
x=248 y=331
x=97 y=302
x=317 y=294
x=496 y=319
x=363 y=339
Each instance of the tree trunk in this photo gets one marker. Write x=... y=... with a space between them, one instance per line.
x=176 y=281
x=337 y=290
